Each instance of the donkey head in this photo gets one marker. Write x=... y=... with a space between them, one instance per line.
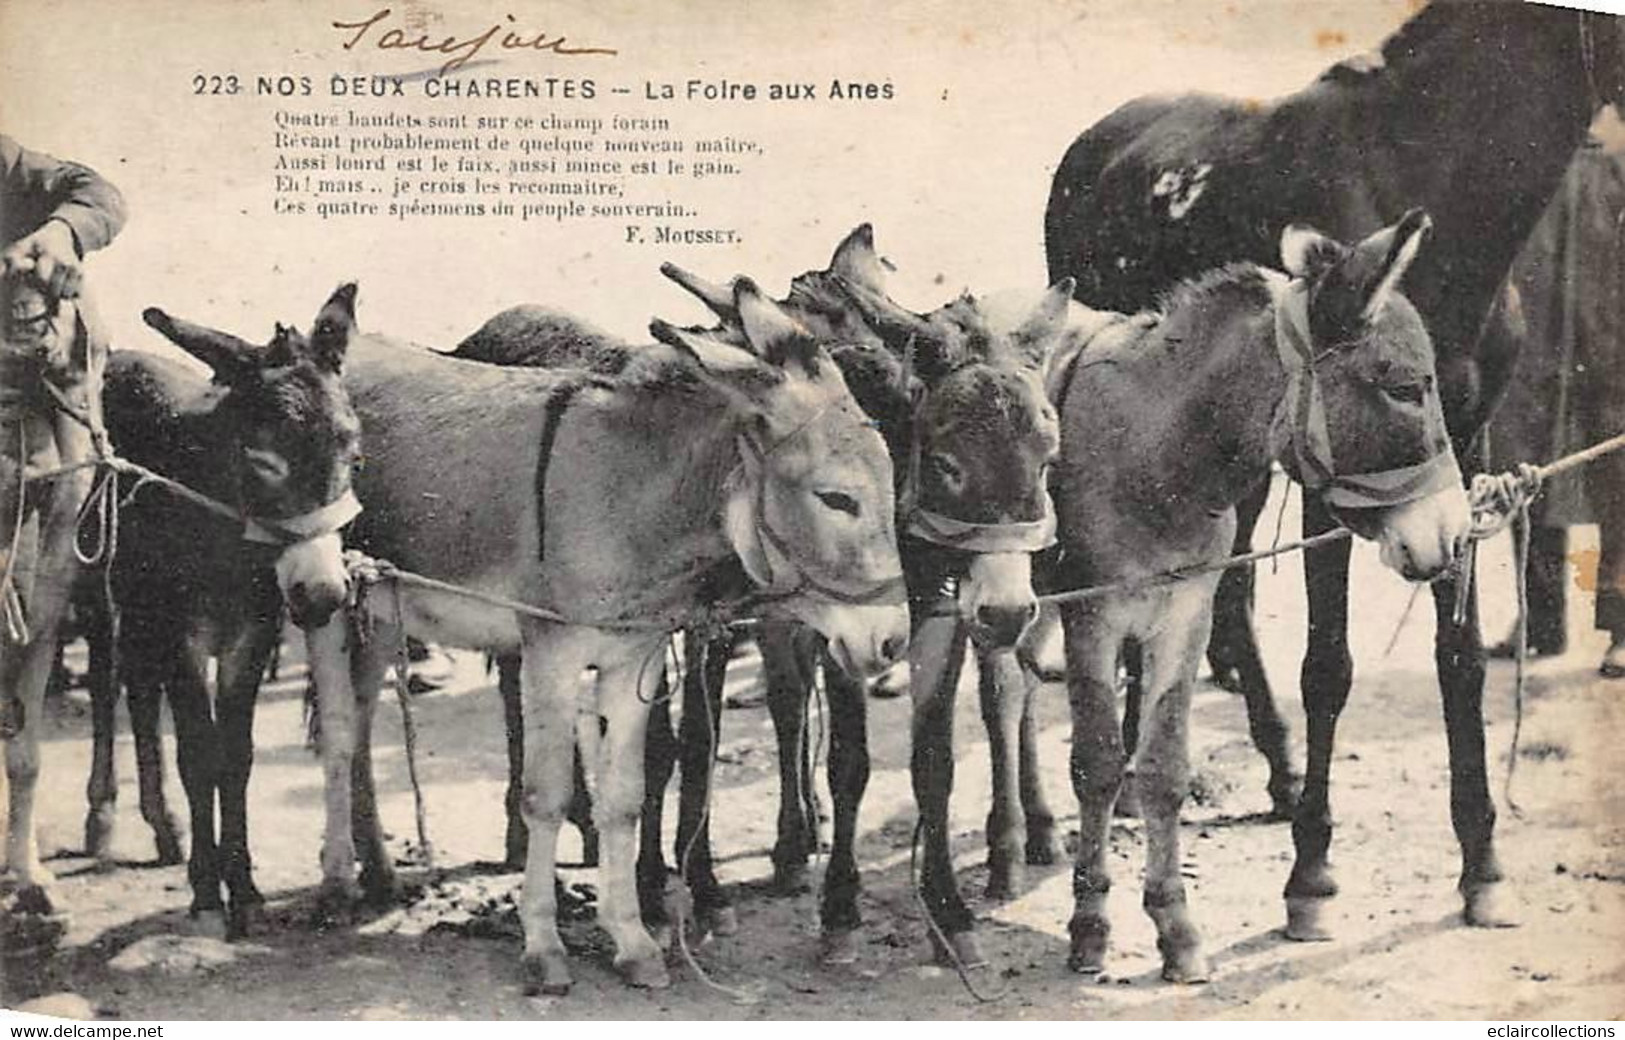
x=984 y=434
x=1363 y=415
x=296 y=440
x=810 y=510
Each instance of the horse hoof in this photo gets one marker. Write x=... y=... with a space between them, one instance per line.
x=964 y=950
x=546 y=974
x=838 y=948
x=1305 y=919
x=721 y=921
x=644 y=972
x=209 y=923
x=1186 y=967
x=791 y=879
x=1490 y=906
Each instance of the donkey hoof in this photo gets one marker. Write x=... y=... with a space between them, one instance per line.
x=1305 y=919
x=1005 y=877
x=1087 y=955
x=963 y=949
x=99 y=838
x=644 y=972
x=1284 y=797
x=207 y=923
x=335 y=906
x=1042 y=849
x=167 y=843
x=246 y=920
x=1490 y=906
x=1188 y=965
x=662 y=933
x=34 y=901
x=381 y=890
x=838 y=948
x=546 y=974
x=720 y=921
x=791 y=879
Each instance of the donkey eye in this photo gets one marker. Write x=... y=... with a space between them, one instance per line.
x=839 y=501
x=1414 y=392
x=946 y=468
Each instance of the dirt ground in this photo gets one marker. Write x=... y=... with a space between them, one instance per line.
x=1400 y=949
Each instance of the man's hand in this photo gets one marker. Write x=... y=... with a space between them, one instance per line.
x=51 y=254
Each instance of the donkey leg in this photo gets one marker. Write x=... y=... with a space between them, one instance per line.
x=1042 y=847
x=659 y=762
x=1003 y=692
x=1327 y=674
x=1164 y=777
x=848 y=778
x=242 y=667
x=329 y=653
x=1097 y=769
x=1128 y=795
x=789 y=656
x=513 y=723
x=1459 y=653
x=936 y=657
x=553 y=661
x=101 y=789
x=698 y=743
x=197 y=750
x=626 y=686
x=379 y=886
x=145 y=709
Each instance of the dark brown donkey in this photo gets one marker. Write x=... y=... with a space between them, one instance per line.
x=1167 y=421
x=274 y=437
x=611 y=502
x=51 y=363
x=1471 y=110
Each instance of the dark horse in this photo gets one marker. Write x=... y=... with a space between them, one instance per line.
x=51 y=361
x=273 y=436
x=1167 y=421
x=1471 y=110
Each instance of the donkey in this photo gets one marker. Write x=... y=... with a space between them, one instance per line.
x=52 y=357
x=274 y=437
x=622 y=505
x=959 y=393
x=1167 y=421
x=1471 y=110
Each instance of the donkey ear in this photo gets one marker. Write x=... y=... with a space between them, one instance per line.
x=770 y=332
x=330 y=333
x=1383 y=258
x=742 y=377
x=1306 y=253
x=231 y=359
x=855 y=261
x=718 y=299
x=1039 y=335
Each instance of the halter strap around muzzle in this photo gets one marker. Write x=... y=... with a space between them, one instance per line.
x=951 y=532
x=794 y=575
x=1299 y=429
x=323 y=520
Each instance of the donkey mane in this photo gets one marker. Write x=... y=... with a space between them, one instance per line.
x=1242 y=282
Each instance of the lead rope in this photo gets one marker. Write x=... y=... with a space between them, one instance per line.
x=10 y=601
x=409 y=730
x=936 y=930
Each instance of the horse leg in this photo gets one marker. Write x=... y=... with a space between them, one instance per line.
x=659 y=762
x=626 y=685
x=241 y=670
x=1164 y=777
x=697 y=744
x=553 y=661
x=101 y=789
x=197 y=749
x=1042 y=848
x=789 y=656
x=936 y=657
x=848 y=778
x=1459 y=656
x=1097 y=769
x=328 y=649
x=1003 y=694
x=379 y=886
x=1328 y=672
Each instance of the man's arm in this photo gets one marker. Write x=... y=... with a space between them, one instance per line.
x=76 y=195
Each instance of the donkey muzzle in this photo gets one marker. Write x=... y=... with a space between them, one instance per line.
x=313 y=579
x=1420 y=540
x=997 y=598
x=865 y=640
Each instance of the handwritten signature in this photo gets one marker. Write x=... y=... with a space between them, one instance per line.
x=463 y=49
